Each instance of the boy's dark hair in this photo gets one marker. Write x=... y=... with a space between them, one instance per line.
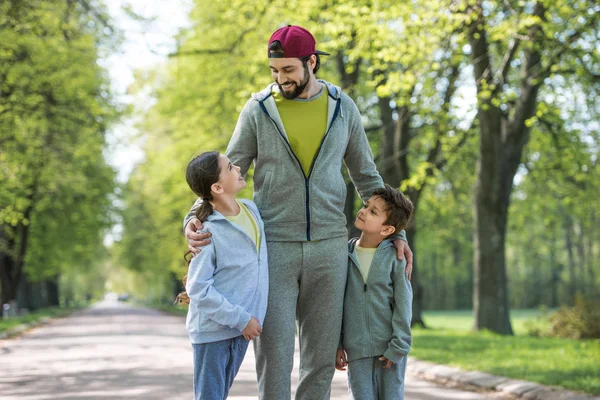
x=275 y=47
x=399 y=207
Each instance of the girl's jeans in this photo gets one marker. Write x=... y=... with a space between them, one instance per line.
x=215 y=366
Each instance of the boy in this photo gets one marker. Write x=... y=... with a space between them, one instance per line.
x=376 y=336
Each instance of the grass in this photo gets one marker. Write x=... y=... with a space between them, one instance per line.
x=572 y=364
x=462 y=320
x=11 y=322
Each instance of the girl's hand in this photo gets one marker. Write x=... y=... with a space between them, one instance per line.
x=341 y=361
x=194 y=239
x=252 y=330
x=386 y=363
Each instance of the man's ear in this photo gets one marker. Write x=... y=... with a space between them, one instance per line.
x=387 y=230
x=216 y=188
x=312 y=62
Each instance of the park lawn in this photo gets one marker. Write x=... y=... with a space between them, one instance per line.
x=11 y=322
x=462 y=320
x=572 y=364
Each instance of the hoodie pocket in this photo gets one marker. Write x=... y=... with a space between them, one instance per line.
x=263 y=191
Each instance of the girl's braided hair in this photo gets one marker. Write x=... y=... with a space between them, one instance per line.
x=201 y=173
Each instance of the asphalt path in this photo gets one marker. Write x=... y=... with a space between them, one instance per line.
x=116 y=351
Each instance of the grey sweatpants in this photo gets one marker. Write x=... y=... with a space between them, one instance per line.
x=368 y=380
x=306 y=282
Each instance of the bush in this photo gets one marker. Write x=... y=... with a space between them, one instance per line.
x=581 y=321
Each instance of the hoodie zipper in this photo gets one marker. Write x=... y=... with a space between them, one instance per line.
x=306 y=178
x=365 y=295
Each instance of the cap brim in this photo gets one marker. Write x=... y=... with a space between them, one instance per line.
x=323 y=53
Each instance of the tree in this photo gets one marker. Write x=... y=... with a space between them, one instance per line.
x=539 y=39
x=53 y=116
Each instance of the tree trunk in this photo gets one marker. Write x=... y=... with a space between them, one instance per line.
x=568 y=229
x=503 y=135
x=349 y=210
x=9 y=275
x=417 y=305
x=490 y=295
x=555 y=273
x=389 y=165
x=590 y=264
x=581 y=261
x=434 y=283
x=52 y=290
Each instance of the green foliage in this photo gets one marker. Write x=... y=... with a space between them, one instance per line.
x=581 y=321
x=406 y=56
x=55 y=110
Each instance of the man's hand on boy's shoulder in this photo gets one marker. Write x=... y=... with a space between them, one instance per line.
x=195 y=239
x=404 y=250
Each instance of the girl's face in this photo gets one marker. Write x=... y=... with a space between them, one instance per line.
x=230 y=178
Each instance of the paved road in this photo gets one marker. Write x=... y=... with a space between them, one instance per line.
x=114 y=351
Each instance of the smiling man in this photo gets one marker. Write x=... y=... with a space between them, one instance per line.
x=298 y=132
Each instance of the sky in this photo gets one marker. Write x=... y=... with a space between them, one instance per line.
x=144 y=46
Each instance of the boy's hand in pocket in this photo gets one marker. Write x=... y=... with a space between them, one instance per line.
x=340 y=360
x=386 y=363
x=252 y=330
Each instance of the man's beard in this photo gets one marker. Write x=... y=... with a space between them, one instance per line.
x=299 y=87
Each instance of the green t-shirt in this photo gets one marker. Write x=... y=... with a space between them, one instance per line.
x=246 y=221
x=305 y=122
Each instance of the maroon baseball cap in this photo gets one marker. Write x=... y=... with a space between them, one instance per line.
x=296 y=42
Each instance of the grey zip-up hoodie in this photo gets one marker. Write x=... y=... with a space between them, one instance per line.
x=295 y=206
x=228 y=282
x=377 y=313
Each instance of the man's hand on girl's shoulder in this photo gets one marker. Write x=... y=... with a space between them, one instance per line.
x=195 y=239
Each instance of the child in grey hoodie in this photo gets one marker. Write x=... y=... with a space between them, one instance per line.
x=227 y=283
x=376 y=335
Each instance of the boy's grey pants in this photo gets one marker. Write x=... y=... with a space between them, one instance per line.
x=306 y=281
x=368 y=380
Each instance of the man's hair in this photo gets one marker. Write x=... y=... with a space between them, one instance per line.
x=275 y=47
x=399 y=207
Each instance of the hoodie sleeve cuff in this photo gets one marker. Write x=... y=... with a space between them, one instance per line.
x=243 y=321
x=394 y=355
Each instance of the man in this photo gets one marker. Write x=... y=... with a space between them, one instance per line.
x=297 y=132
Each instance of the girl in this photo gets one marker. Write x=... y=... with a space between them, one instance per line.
x=227 y=283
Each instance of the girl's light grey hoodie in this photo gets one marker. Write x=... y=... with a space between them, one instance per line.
x=228 y=281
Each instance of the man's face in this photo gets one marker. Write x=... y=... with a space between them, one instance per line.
x=290 y=75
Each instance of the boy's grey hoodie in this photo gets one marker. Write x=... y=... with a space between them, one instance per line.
x=228 y=282
x=295 y=206
x=377 y=313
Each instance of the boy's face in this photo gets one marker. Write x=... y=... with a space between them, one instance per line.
x=371 y=217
